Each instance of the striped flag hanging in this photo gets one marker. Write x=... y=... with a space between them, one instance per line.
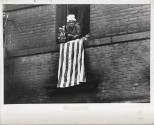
x=71 y=69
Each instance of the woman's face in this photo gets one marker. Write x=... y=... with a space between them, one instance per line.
x=71 y=23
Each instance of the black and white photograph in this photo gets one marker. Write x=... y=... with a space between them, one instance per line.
x=76 y=53
x=76 y=62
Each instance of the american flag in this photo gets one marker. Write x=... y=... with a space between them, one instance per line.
x=71 y=70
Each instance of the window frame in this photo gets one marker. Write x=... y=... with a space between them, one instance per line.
x=63 y=9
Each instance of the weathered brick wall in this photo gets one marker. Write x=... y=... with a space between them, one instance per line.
x=122 y=70
x=117 y=62
x=31 y=28
x=116 y=19
x=30 y=76
x=117 y=72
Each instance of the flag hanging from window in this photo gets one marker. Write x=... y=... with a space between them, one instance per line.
x=71 y=69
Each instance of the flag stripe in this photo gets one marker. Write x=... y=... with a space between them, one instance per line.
x=79 y=64
x=76 y=66
x=64 y=65
x=72 y=59
x=61 y=64
x=66 y=70
x=69 y=65
x=60 y=60
x=81 y=56
x=83 y=68
x=74 y=63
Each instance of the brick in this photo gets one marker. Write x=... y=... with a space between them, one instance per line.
x=132 y=27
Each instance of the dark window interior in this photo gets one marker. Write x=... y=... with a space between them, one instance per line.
x=82 y=14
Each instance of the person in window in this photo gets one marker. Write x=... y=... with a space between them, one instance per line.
x=70 y=31
x=72 y=28
x=71 y=69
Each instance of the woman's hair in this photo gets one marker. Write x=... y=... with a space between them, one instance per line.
x=71 y=17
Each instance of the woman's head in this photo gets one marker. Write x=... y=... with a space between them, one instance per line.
x=71 y=18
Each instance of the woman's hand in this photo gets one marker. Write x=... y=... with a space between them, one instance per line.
x=70 y=35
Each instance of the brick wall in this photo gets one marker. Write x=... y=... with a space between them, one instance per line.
x=121 y=70
x=116 y=72
x=31 y=28
x=115 y=19
x=31 y=75
x=117 y=61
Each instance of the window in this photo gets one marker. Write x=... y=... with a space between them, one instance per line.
x=82 y=14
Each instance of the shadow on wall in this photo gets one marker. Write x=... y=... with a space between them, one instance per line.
x=83 y=93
